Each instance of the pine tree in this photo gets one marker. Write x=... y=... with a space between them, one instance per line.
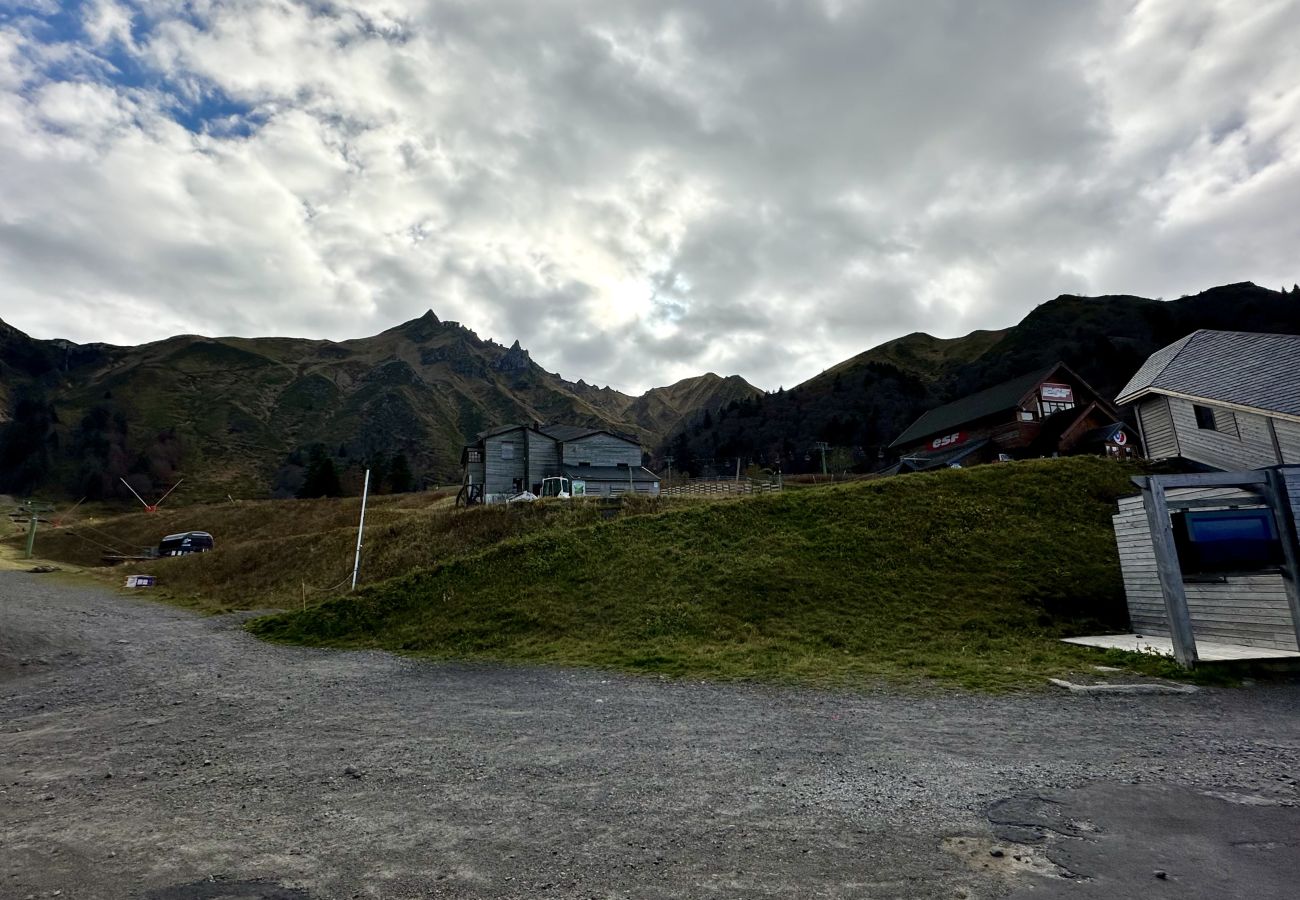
x=400 y=479
x=322 y=478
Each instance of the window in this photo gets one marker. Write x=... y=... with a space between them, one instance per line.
x=507 y=449
x=1232 y=540
x=1204 y=417
x=1055 y=406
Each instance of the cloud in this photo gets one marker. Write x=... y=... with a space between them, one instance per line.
x=637 y=191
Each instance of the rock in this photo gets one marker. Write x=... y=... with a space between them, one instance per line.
x=352 y=772
x=997 y=853
x=1161 y=874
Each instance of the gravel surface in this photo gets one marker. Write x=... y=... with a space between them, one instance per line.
x=148 y=752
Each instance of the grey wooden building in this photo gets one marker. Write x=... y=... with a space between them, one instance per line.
x=1210 y=557
x=1220 y=399
x=510 y=459
x=1210 y=564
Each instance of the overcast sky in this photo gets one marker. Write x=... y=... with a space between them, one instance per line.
x=637 y=191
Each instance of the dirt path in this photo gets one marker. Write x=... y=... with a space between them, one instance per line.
x=147 y=752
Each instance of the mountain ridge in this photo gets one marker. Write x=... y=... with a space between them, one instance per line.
x=860 y=404
x=240 y=416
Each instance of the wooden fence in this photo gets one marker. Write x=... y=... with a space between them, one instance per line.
x=719 y=487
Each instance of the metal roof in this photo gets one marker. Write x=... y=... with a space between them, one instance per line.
x=500 y=429
x=923 y=462
x=564 y=433
x=996 y=399
x=610 y=473
x=559 y=433
x=568 y=432
x=1241 y=368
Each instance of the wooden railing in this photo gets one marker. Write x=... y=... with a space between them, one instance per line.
x=702 y=487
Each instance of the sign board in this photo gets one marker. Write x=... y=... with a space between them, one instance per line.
x=947 y=440
x=578 y=489
x=1060 y=393
x=1120 y=438
x=133 y=581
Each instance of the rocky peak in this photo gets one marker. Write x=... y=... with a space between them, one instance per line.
x=515 y=359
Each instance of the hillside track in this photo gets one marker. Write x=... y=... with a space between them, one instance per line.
x=148 y=752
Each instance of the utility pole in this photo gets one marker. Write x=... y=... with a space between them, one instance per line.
x=822 y=445
x=737 y=468
x=361 y=527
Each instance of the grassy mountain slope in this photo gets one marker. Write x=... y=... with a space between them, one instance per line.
x=964 y=576
x=236 y=415
x=271 y=552
x=863 y=403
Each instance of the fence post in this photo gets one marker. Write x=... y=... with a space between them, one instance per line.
x=31 y=533
x=361 y=527
x=1171 y=577
x=1284 y=516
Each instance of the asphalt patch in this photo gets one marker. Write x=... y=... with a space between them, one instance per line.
x=1156 y=840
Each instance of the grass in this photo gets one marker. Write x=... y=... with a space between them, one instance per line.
x=269 y=551
x=964 y=577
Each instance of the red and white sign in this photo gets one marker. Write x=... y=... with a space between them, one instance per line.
x=1120 y=438
x=1060 y=393
x=948 y=440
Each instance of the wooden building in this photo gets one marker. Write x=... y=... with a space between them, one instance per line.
x=511 y=459
x=1220 y=399
x=1046 y=413
x=1210 y=564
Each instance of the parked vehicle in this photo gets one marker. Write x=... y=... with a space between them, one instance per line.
x=185 y=543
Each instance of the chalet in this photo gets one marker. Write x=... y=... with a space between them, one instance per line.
x=1223 y=400
x=1046 y=413
x=510 y=459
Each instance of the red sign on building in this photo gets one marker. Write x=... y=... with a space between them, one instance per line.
x=948 y=440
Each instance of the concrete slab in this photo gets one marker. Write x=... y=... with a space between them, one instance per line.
x=1206 y=651
x=1153 y=687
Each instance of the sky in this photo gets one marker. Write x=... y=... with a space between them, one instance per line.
x=636 y=191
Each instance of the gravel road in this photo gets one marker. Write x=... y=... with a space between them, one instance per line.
x=148 y=752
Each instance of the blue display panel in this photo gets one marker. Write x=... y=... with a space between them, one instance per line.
x=1229 y=540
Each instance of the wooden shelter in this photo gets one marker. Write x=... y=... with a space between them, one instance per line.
x=1213 y=557
x=1220 y=399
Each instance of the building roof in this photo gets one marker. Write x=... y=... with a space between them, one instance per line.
x=996 y=399
x=610 y=473
x=1239 y=368
x=500 y=429
x=923 y=462
x=564 y=433
x=568 y=432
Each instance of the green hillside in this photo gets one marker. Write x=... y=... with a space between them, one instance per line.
x=961 y=576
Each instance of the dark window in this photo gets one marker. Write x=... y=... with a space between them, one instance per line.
x=1204 y=417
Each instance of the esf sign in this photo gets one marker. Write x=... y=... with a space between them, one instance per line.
x=948 y=440
x=1059 y=392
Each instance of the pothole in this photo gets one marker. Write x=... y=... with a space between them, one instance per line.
x=1003 y=860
